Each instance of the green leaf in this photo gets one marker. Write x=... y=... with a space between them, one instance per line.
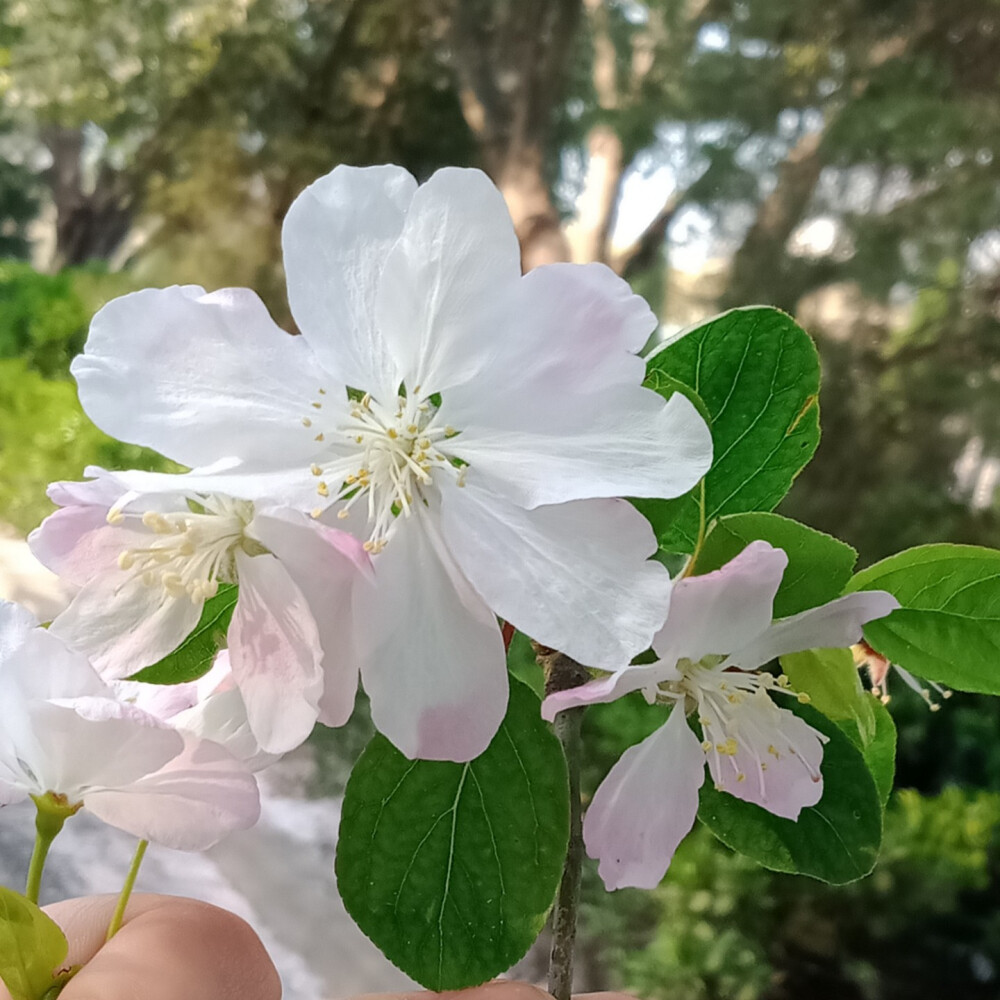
x=523 y=664
x=819 y=565
x=948 y=626
x=879 y=750
x=833 y=684
x=835 y=841
x=757 y=373
x=451 y=868
x=193 y=658
x=32 y=947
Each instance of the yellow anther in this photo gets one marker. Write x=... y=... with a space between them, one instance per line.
x=424 y=443
x=393 y=433
x=412 y=428
x=741 y=777
x=306 y=422
x=115 y=516
x=317 y=406
x=315 y=469
x=319 y=437
x=360 y=439
x=341 y=514
x=368 y=546
x=803 y=698
x=322 y=489
x=315 y=512
x=449 y=431
x=126 y=560
x=322 y=392
x=772 y=750
x=366 y=400
x=706 y=745
x=729 y=748
x=351 y=480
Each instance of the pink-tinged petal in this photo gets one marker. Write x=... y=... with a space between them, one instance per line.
x=190 y=804
x=336 y=237
x=433 y=658
x=78 y=543
x=72 y=745
x=641 y=677
x=98 y=741
x=777 y=758
x=723 y=610
x=574 y=576
x=199 y=377
x=326 y=565
x=568 y=328
x=626 y=441
x=646 y=806
x=122 y=625
x=446 y=281
x=836 y=625
x=275 y=654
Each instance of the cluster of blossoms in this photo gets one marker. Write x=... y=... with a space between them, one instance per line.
x=445 y=445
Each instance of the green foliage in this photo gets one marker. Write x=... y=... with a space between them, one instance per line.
x=831 y=680
x=32 y=947
x=819 y=565
x=451 y=868
x=835 y=841
x=193 y=658
x=948 y=626
x=757 y=374
x=45 y=436
x=917 y=929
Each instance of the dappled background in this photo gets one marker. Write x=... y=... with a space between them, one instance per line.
x=837 y=158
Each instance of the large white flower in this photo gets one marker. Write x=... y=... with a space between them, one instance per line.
x=63 y=733
x=146 y=563
x=471 y=425
x=718 y=633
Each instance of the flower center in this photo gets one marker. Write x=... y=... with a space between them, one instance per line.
x=193 y=551
x=397 y=453
x=737 y=714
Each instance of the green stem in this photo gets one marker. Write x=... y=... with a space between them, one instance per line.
x=565 y=912
x=50 y=817
x=689 y=568
x=133 y=873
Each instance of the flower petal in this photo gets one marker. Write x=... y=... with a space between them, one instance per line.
x=433 y=661
x=723 y=610
x=607 y=689
x=122 y=625
x=446 y=280
x=189 y=804
x=326 y=565
x=16 y=624
x=646 y=806
x=623 y=442
x=777 y=760
x=275 y=654
x=199 y=377
x=574 y=576
x=568 y=328
x=336 y=237
x=834 y=625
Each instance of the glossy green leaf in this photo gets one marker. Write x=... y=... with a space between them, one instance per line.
x=819 y=565
x=32 y=947
x=451 y=868
x=757 y=373
x=833 y=684
x=835 y=841
x=193 y=658
x=948 y=626
x=879 y=750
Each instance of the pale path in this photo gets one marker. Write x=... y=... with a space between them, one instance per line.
x=278 y=876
